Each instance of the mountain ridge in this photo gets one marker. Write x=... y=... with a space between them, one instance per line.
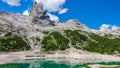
x=39 y=31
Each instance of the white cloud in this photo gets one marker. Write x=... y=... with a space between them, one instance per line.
x=12 y=2
x=105 y=28
x=26 y=12
x=52 y=5
x=63 y=11
x=114 y=27
x=53 y=17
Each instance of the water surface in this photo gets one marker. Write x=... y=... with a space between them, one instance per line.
x=38 y=63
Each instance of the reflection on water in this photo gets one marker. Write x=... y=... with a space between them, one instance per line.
x=52 y=64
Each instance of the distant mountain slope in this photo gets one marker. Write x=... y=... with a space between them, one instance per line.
x=39 y=32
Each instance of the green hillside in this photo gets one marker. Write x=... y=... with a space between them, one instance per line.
x=62 y=40
x=80 y=40
x=12 y=43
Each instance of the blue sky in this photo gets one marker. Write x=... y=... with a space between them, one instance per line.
x=92 y=13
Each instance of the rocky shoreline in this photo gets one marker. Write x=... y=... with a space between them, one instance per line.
x=75 y=56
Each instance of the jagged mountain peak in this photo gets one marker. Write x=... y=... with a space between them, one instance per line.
x=37 y=9
x=39 y=16
x=73 y=22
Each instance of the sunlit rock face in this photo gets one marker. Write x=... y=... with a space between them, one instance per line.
x=37 y=10
x=13 y=22
x=39 y=16
x=72 y=24
x=75 y=23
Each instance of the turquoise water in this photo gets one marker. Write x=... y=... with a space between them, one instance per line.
x=51 y=64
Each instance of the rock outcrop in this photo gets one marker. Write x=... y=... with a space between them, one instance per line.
x=77 y=24
x=37 y=10
x=39 y=16
x=72 y=24
x=13 y=22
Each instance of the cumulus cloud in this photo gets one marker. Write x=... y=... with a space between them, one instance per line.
x=12 y=2
x=114 y=27
x=105 y=28
x=53 y=17
x=26 y=12
x=53 y=5
x=63 y=11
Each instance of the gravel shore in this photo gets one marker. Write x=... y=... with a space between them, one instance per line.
x=70 y=54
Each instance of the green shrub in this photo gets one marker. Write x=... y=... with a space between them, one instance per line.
x=55 y=41
x=103 y=45
x=75 y=37
x=12 y=43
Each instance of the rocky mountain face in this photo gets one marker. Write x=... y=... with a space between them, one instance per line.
x=25 y=26
x=38 y=30
x=39 y=16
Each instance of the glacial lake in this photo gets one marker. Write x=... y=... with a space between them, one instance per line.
x=38 y=63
